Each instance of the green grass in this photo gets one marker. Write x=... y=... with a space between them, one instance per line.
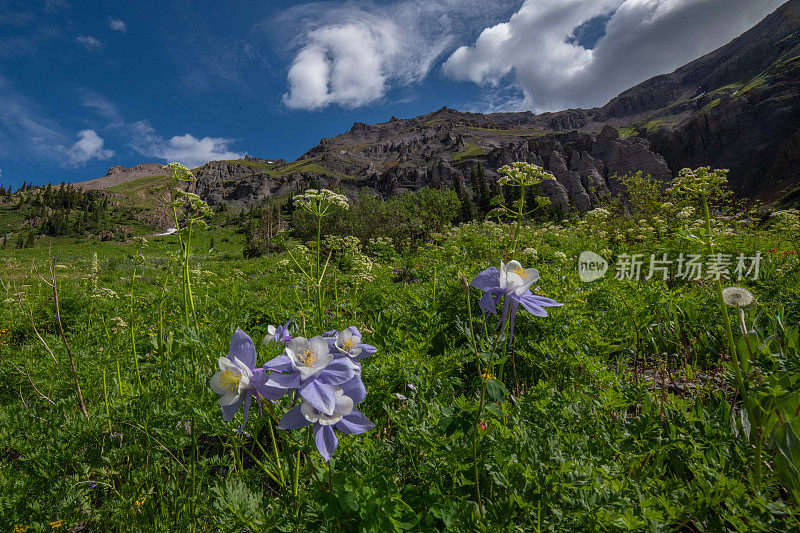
x=626 y=132
x=469 y=152
x=592 y=437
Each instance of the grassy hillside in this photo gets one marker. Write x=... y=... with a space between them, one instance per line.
x=617 y=411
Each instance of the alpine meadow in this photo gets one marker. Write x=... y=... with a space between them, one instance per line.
x=510 y=320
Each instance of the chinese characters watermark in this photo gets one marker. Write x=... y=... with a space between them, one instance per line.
x=684 y=266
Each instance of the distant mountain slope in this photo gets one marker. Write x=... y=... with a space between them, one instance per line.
x=118 y=175
x=737 y=108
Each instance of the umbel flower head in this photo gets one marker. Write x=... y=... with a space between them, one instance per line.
x=737 y=296
x=238 y=379
x=343 y=417
x=321 y=202
x=511 y=283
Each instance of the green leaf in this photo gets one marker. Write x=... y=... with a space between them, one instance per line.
x=496 y=390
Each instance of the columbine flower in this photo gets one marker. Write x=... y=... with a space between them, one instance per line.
x=513 y=282
x=238 y=378
x=343 y=417
x=348 y=342
x=311 y=368
x=279 y=334
x=737 y=296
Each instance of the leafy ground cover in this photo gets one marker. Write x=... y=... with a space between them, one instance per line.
x=620 y=411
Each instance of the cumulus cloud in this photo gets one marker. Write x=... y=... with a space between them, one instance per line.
x=352 y=54
x=88 y=146
x=89 y=42
x=186 y=149
x=117 y=25
x=537 y=51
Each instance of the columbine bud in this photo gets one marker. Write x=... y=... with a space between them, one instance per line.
x=464 y=282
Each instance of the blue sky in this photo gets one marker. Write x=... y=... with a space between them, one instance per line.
x=85 y=85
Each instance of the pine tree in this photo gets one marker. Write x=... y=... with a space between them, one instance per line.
x=29 y=241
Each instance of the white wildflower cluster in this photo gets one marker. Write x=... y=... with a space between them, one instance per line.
x=606 y=253
x=103 y=292
x=667 y=206
x=597 y=214
x=786 y=221
x=381 y=248
x=560 y=256
x=686 y=213
x=94 y=272
x=347 y=251
x=701 y=181
x=523 y=174
x=530 y=254
x=321 y=202
x=180 y=172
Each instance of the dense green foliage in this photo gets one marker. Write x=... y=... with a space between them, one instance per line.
x=621 y=414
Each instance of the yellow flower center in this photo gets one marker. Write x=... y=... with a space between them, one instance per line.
x=230 y=380
x=348 y=344
x=308 y=358
x=520 y=272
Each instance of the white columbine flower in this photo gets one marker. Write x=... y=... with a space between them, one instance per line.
x=344 y=406
x=309 y=356
x=737 y=296
x=514 y=279
x=232 y=380
x=347 y=342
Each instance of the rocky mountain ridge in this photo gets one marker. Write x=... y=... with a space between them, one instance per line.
x=737 y=107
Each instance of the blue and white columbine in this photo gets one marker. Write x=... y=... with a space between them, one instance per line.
x=512 y=282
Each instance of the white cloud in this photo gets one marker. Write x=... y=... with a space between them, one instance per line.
x=186 y=149
x=643 y=38
x=117 y=25
x=102 y=106
x=351 y=54
x=26 y=130
x=88 y=146
x=89 y=42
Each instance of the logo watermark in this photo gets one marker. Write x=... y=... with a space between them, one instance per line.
x=687 y=267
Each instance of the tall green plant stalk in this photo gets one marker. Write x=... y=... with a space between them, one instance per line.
x=465 y=286
x=131 y=318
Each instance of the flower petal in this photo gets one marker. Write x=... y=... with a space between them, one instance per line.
x=487 y=280
x=259 y=383
x=326 y=441
x=355 y=389
x=247 y=399
x=366 y=351
x=242 y=348
x=338 y=371
x=319 y=395
x=488 y=303
x=293 y=419
x=284 y=381
x=228 y=411
x=531 y=278
x=229 y=398
x=216 y=383
x=355 y=423
x=282 y=363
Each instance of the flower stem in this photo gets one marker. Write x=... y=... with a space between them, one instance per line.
x=757 y=432
x=521 y=202
x=131 y=320
x=105 y=396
